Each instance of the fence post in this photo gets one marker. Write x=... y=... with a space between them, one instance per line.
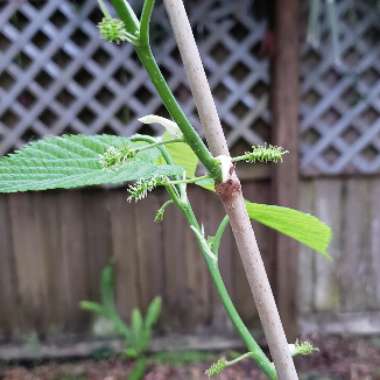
x=285 y=106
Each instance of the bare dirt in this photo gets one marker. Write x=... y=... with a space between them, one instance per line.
x=338 y=359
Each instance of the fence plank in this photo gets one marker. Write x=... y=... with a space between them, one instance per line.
x=124 y=250
x=30 y=264
x=198 y=278
x=176 y=306
x=98 y=239
x=9 y=316
x=355 y=266
x=149 y=250
x=306 y=255
x=47 y=214
x=375 y=238
x=285 y=106
x=328 y=207
x=74 y=265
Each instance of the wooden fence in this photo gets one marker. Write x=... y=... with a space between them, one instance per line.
x=343 y=295
x=57 y=75
x=53 y=246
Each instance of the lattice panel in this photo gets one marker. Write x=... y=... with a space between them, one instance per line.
x=57 y=76
x=340 y=127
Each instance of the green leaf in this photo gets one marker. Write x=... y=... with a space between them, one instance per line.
x=182 y=155
x=92 y=306
x=136 y=322
x=74 y=161
x=207 y=184
x=153 y=312
x=305 y=228
x=138 y=370
x=215 y=240
x=107 y=288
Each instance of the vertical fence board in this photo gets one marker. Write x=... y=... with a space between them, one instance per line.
x=149 y=249
x=306 y=255
x=285 y=133
x=176 y=307
x=375 y=238
x=198 y=278
x=30 y=263
x=47 y=214
x=98 y=247
x=74 y=263
x=356 y=265
x=9 y=314
x=328 y=207
x=124 y=250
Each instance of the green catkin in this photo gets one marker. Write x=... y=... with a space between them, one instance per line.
x=114 y=157
x=304 y=348
x=264 y=154
x=113 y=30
x=216 y=368
x=140 y=189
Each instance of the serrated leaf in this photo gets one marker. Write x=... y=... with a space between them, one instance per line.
x=305 y=228
x=73 y=161
x=182 y=155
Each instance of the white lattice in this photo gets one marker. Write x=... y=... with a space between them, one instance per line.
x=340 y=127
x=57 y=75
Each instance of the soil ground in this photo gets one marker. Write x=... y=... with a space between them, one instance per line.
x=338 y=359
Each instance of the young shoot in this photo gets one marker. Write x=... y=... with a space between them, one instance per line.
x=160 y=213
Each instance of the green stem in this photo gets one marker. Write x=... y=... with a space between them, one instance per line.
x=218 y=235
x=189 y=180
x=240 y=158
x=165 y=154
x=154 y=143
x=259 y=356
x=126 y=14
x=146 y=15
x=104 y=9
x=238 y=359
x=145 y=54
x=157 y=144
x=191 y=136
x=257 y=353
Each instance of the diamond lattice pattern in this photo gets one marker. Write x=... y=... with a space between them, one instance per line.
x=340 y=108
x=57 y=75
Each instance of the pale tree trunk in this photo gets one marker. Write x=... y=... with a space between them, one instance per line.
x=231 y=195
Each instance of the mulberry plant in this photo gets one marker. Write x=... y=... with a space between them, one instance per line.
x=169 y=161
